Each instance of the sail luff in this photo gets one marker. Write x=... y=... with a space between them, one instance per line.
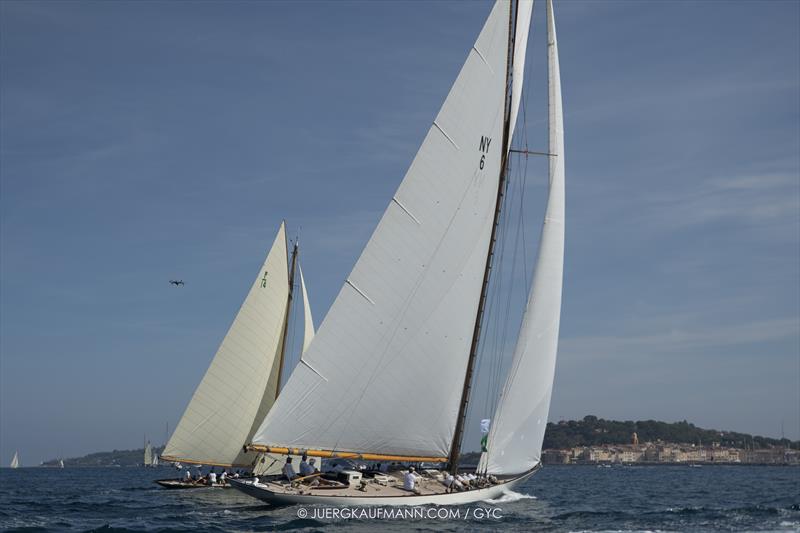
x=458 y=435
x=239 y=387
x=515 y=440
x=308 y=319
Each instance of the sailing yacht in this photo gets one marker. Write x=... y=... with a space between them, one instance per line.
x=388 y=375
x=14 y=461
x=148 y=454
x=243 y=379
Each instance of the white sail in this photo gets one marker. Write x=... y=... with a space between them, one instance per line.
x=14 y=461
x=515 y=440
x=155 y=460
x=308 y=320
x=522 y=27
x=240 y=385
x=395 y=342
x=148 y=455
x=61 y=463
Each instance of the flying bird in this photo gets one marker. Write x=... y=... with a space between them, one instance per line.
x=178 y=283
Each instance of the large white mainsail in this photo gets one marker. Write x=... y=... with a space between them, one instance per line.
x=240 y=385
x=515 y=440
x=14 y=461
x=398 y=334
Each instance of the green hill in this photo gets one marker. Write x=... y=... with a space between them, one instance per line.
x=593 y=431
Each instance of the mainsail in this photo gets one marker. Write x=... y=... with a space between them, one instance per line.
x=241 y=383
x=515 y=440
x=398 y=334
x=14 y=461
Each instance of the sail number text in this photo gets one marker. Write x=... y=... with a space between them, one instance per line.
x=484 y=149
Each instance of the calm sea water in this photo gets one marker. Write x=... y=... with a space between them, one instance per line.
x=558 y=498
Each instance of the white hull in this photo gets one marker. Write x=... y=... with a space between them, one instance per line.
x=263 y=493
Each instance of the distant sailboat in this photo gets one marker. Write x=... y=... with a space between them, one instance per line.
x=243 y=379
x=155 y=460
x=14 y=461
x=388 y=375
x=148 y=454
x=61 y=463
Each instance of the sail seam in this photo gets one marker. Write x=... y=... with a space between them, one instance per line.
x=401 y=206
x=438 y=127
x=359 y=291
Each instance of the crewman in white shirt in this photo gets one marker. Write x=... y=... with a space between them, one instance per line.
x=410 y=480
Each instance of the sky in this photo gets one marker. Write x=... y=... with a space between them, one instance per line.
x=149 y=141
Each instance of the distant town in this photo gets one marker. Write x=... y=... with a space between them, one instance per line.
x=597 y=441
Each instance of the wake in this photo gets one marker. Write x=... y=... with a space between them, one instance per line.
x=511 y=496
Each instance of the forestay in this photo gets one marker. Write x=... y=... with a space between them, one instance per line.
x=239 y=386
x=384 y=373
x=515 y=440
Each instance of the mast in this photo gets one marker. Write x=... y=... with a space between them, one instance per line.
x=455 y=450
x=286 y=318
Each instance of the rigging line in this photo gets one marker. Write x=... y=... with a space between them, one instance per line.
x=498 y=333
x=506 y=319
x=489 y=344
x=490 y=348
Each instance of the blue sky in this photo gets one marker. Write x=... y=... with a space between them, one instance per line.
x=147 y=141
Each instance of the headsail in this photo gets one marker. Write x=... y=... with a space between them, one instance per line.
x=14 y=461
x=515 y=440
x=308 y=319
x=240 y=385
x=398 y=334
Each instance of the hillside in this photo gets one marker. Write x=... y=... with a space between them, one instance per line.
x=593 y=431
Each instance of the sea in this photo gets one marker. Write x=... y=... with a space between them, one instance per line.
x=557 y=498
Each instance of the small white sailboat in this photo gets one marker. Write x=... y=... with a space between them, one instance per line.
x=148 y=454
x=243 y=379
x=155 y=460
x=388 y=375
x=61 y=463
x=14 y=461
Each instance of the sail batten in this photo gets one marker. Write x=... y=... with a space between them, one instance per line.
x=400 y=327
x=241 y=382
x=515 y=438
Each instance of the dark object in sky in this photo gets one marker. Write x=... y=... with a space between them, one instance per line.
x=178 y=283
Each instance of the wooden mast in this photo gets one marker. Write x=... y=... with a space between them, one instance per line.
x=286 y=318
x=455 y=450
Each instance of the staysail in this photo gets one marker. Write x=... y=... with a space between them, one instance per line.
x=308 y=321
x=14 y=461
x=515 y=440
x=400 y=329
x=240 y=385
